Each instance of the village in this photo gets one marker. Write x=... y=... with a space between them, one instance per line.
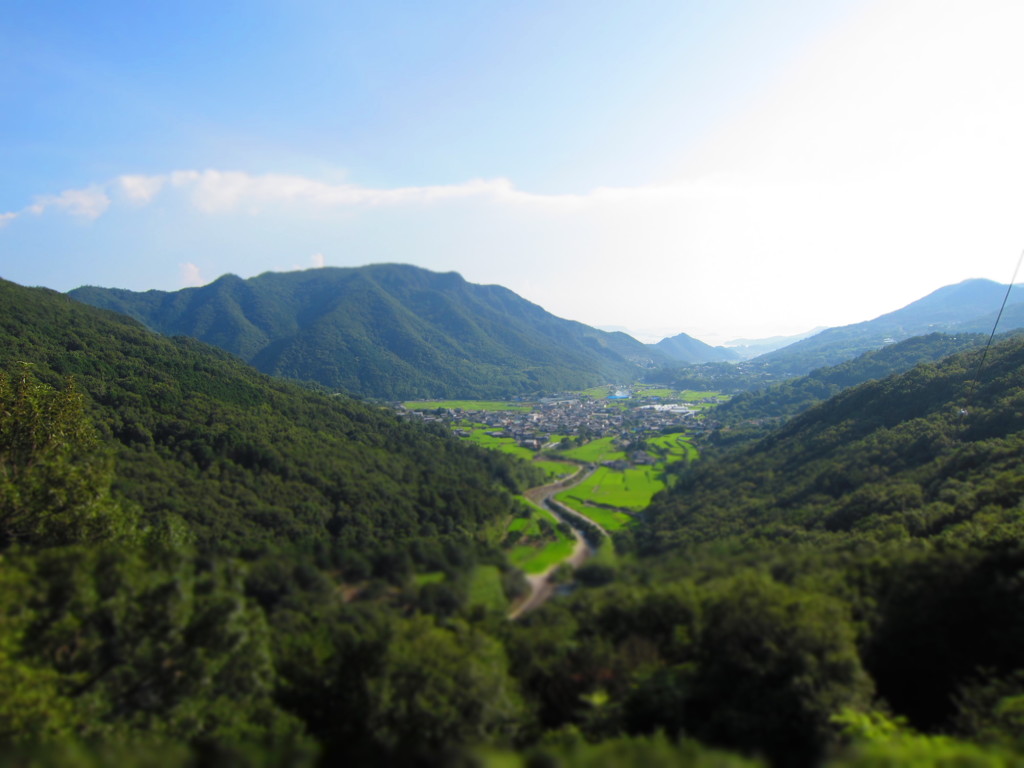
x=574 y=418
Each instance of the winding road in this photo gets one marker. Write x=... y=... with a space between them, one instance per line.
x=541 y=586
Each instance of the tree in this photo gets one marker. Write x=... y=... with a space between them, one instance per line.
x=55 y=475
x=442 y=687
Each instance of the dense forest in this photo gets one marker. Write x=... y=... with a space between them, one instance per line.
x=388 y=331
x=201 y=565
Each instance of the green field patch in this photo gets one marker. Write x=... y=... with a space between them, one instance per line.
x=664 y=394
x=485 y=588
x=537 y=560
x=432 y=577
x=467 y=405
x=595 y=451
x=538 y=556
x=608 y=519
x=690 y=395
x=629 y=489
x=597 y=392
x=675 y=447
x=527 y=525
x=555 y=469
x=503 y=444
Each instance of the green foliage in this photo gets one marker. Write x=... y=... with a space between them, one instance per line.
x=442 y=687
x=387 y=331
x=306 y=574
x=54 y=475
x=785 y=399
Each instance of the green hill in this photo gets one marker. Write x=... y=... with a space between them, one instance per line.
x=247 y=461
x=967 y=307
x=387 y=331
x=684 y=348
x=787 y=398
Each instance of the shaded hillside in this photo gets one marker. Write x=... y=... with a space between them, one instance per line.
x=893 y=444
x=686 y=349
x=786 y=398
x=387 y=331
x=901 y=500
x=970 y=306
x=249 y=462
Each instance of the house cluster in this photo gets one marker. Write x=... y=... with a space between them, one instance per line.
x=573 y=416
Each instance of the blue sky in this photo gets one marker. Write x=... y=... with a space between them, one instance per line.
x=724 y=167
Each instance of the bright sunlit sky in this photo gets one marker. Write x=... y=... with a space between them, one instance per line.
x=722 y=168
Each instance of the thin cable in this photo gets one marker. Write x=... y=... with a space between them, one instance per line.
x=984 y=354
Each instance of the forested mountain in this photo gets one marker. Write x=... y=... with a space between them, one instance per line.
x=177 y=529
x=686 y=349
x=781 y=400
x=387 y=331
x=899 y=504
x=200 y=566
x=970 y=306
x=246 y=460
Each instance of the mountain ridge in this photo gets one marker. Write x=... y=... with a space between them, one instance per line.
x=387 y=330
x=968 y=306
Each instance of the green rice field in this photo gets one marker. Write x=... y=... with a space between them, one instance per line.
x=595 y=451
x=537 y=558
x=556 y=469
x=629 y=489
x=677 y=445
x=608 y=519
x=504 y=444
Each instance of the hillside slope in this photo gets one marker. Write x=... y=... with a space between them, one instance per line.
x=786 y=398
x=387 y=331
x=968 y=307
x=247 y=461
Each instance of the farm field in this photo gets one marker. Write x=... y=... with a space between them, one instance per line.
x=537 y=559
x=608 y=519
x=555 y=469
x=504 y=444
x=595 y=451
x=676 y=445
x=630 y=489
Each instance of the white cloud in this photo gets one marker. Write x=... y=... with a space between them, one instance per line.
x=190 y=274
x=223 y=192
x=141 y=189
x=89 y=203
x=6 y=218
x=318 y=260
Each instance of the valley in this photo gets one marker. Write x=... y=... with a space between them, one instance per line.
x=199 y=554
x=604 y=452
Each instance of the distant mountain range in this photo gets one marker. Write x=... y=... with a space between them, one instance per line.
x=967 y=307
x=388 y=331
x=750 y=348
x=684 y=348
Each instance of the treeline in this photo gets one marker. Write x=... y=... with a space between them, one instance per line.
x=776 y=402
